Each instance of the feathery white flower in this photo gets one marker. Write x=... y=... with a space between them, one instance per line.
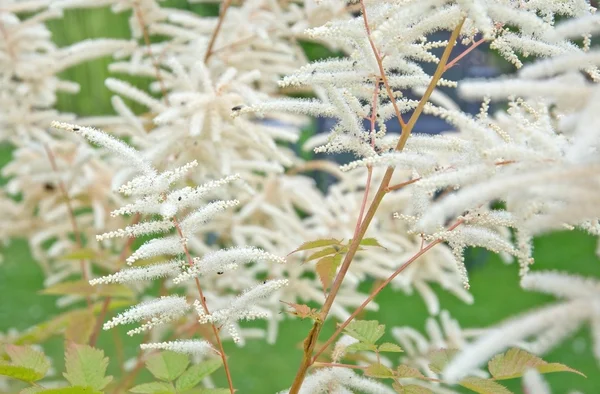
x=226 y=259
x=192 y=347
x=242 y=307
x=98 y=137
x=159 y=311
x=144 y=273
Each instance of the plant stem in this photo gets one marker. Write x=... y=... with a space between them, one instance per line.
x=380 y=65
x=383 y=284
x=140 y=18
x=311 y=340
x=213 y=38
x=76 y=233
x=203 y=302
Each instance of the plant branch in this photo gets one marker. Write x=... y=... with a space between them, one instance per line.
x=369 y=168
x=464 y=53
x=383 y=284
x=213 y=38
x=140 y=18
x=379 y=59
x=99 y=321
x=205 y=307
x=311 y=340
x=76 y=233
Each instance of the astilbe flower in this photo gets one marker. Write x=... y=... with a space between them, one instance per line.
x=29 y=67
x=181 y=211
x=523 y=156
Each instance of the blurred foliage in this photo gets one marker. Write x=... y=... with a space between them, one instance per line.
x=493 y=283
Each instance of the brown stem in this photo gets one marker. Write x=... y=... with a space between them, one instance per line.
x=401 y=185
x=76 y=233
x=99 y=321
x=465 y=53
x=380 y=65
x=369 y=168
x=319 y=364
x=311 y=340
x=213 y=38
x=140 y=18
x=383 y=284
x=205 y=307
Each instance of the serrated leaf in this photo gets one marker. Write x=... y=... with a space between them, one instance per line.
x=77 y=287
x=514 y=362
x=370 y=242
x=86 y=366
x=21 y=373
x=439 y=359
x=322 y=253
x=70 y=390
x=326 y=269
x=484 y=386
x=80 y=326
x=319 y=243
x=41 y=332
x=303 y=311
x=153 y=388
x=379 y=371
x=196 y=373
x=28 y=357
x=368 y=331
x=167 y=365
x=361 y=346
x=404 y=371
x=410 y=389
x=390 y=347
x=80 y=254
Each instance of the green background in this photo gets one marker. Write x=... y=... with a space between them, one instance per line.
x=259 y=367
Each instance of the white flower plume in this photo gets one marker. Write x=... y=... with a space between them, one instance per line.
x=192 y=347
x=242 y=307
x=155 y=312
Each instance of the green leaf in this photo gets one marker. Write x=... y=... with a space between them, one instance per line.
x=370 y=242
x=70 y=390
x=167 y=365
x=80 y=326
x=361 y=346
x=80 y=254
x=28 y=357
x=440 y=358
x=410 y=389
x=153 y=388
x=214 y=391
x=390 y=347
x=379 y=371
x=86 y=366
x=83 y=288
x=514 y=362
x=326 y=269
x=316 y=244
x=321 y=253
x=484 y=386
x=43 y=331
x=368 y=331
x=22 y=373
x=404 y=371
x=196 y=373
